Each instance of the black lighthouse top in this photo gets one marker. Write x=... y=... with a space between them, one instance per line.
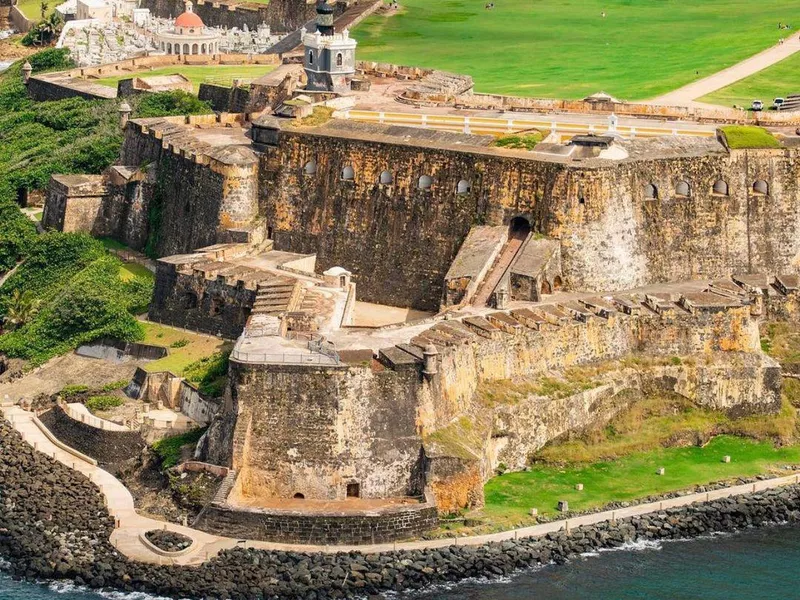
x=325 y=18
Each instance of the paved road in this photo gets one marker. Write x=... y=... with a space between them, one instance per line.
x=687 y=95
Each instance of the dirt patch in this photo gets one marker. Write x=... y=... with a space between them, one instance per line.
x=69 y=369
x=168 y=496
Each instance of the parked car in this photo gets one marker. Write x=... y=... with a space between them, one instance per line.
x=757 y=105
x=777 y=103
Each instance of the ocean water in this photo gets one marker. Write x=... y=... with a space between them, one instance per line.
x=753 y=565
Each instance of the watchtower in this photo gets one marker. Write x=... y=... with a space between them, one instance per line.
x=329 y=57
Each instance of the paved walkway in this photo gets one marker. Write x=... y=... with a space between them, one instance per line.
x=126 y=538
x=687 y=95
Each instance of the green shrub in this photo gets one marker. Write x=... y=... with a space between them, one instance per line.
x=748 y=136
x=98 y=403
x=115 y=385
x=169 y=449
x=176 y=102
x=74 y=390
x=209 y=373
x=526 y=141
x=179 y=343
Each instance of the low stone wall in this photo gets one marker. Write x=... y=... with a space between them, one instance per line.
x=79 y=82
x=107 y=447
x=19 y=21
x=296 y=527
x=110 y=348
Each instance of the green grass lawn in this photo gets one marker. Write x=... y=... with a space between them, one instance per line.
x=744 y=136
x=32 y=8
x=130 y=270
x=198 y=346
x=641 y=49
x=510 y=496
x=219 y=74
x=781 y=79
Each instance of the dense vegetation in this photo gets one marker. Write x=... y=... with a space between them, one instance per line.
x=67 y=289
x=79 y=297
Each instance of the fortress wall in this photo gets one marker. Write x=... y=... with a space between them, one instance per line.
x=311 y=430
x=619 y=239
x=280 y=15
x=399 y=241
x=314 y=430
x=534 y=353
x=186 y=301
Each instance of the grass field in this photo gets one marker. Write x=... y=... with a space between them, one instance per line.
x=551 y=48
x=780 y=79
x=222 y=75
x=510 y=496
x=32 y=8
x=185 y=347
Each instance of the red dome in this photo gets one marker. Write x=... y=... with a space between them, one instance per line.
x=188 y=19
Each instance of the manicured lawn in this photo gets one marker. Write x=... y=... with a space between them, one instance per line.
x=219 y=74
x=552 y=48
x=779 y=80
x=743 y=136
x=509 y=497
x=198 y=346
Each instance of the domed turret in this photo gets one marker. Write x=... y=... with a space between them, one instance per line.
x=325 y=18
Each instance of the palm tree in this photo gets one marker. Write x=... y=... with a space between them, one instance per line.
x=43 y=8
x=21 y=309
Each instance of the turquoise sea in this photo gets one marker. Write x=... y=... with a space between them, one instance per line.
x=753 y=565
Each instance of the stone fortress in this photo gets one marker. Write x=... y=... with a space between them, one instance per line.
x=632 y=264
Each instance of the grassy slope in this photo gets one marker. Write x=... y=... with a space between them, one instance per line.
x=511 y=495
x=223 y=75
x=642 y=48
x=199 y=346
x=32 y=8
x=780 y=79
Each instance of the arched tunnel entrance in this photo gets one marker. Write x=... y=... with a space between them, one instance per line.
x=519 y=228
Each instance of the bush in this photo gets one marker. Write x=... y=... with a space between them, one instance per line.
x=169 y=449
x=179 y=343
x=98 y=403
x=176 y=102
x=526 y=141
x=74 y=390
x=115 y=385
x=209 y=373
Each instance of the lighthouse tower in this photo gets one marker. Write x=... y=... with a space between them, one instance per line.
x=330 y=57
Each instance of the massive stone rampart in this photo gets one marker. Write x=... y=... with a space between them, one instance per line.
x=391 y=427
x=612 y=235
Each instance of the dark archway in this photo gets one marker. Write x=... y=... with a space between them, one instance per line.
x=519 y=228
x=299 y=496
x=557 y=283
x=353 y=490
x=546 y=288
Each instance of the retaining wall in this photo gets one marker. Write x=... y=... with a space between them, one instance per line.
x=107 y=447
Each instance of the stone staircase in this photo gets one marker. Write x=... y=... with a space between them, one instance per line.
x=277 y=296
x=499 y=269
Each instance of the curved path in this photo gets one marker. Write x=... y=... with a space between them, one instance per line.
x=130 y=525
x=686 y=95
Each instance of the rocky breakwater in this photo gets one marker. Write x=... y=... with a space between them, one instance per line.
x=53 y=525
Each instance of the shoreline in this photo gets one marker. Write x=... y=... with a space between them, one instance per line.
x=54 y=526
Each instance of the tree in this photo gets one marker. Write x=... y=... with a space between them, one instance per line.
x=43 y=8
x=21 y=309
